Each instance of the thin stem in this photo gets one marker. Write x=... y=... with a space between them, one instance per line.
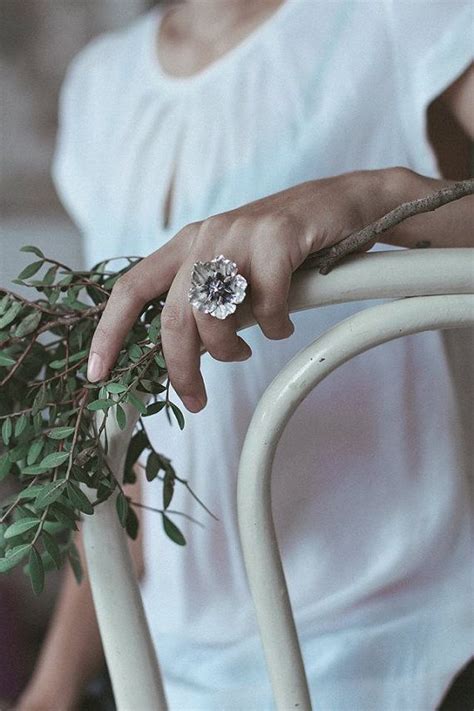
x=80 y=413
x=17 y=501
x=29 y=409
x=166 y=511
x=32 y=304
x=18 y=363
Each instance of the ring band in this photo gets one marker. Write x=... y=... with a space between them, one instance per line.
x=217 y=287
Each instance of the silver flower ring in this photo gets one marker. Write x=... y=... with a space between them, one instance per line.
x=217 y=287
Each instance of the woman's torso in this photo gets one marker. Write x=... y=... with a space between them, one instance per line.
x=369 y=485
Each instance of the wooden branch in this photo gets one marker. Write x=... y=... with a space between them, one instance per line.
x=325 y=259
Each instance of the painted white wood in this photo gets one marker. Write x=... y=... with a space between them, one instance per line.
x=354 y=335
x=128 y=647
x=382 y=275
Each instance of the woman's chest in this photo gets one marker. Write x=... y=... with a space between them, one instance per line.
x=287 y=115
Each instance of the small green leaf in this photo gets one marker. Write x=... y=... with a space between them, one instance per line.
x=34 y=469
x=30 y=492
x=64 y=515
x=55 y=459
x=178 y=414
x=40 y=401
x=30 y=270
x=34 y=250
x=6 y=361
x=116 y=388
x=102 y=393
x=154 y=330
x=138 y=443
x=160 y=361
x=48 y=278
x=172 y=531
x=153 y=466
x=79 y=499
x=34 y=451
x=14 y=556
x=19 y=452
x=100 y=405
x=21 y=425
x=49 y=493
x=121 y=504
x=51 y=548
x=152 y=386
x=28 y=324
x=21 y=526
x=11 y=314
x=168 y=490
x=154 y=408
x=135 y=352
x=137 y=403
x=61 y=432
x=121 y=417
x=132 y=525
x=36 y=571
x=7 y=431
x=58 y=364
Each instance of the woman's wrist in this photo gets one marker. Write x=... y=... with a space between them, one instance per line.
x=391 y=187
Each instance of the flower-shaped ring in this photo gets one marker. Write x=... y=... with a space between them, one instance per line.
x=217 y=287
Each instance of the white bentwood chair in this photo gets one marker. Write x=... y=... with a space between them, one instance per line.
x=440 y=287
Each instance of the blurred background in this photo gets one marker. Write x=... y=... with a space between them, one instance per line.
x=38 y=38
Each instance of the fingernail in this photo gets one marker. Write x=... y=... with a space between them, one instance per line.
x=194 y=404
x=95 y=368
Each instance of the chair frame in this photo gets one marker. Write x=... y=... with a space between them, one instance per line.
x=440 y=283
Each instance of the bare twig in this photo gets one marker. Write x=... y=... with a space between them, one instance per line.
x=83 y=403
x=166 y=511
x=325 y=259
x=31 y=304
x=4 y=517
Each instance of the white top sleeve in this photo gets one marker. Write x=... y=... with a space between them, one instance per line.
x=433 y=46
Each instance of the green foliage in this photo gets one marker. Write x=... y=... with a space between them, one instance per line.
x=53 y=440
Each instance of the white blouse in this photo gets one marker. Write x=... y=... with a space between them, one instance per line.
x=370 y=480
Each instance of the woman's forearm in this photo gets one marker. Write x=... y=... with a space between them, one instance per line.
x=448 y=226
x=72 y=652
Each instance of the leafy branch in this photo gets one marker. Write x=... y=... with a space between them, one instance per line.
x=51 y=445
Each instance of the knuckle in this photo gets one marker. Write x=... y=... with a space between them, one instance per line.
x=278 y=222
x=243 y=225
x=189 y=232
x=216 y=225
x=125 y=289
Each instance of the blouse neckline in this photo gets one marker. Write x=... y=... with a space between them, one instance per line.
x=218 y=65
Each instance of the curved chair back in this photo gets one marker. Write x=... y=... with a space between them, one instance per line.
x=442 y=284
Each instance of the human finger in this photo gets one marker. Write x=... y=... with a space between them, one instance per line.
x=147 y=280
x=181 y=345
x=220 y=339
x=270 y=282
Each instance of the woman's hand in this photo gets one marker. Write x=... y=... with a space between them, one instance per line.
x=268 y=239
